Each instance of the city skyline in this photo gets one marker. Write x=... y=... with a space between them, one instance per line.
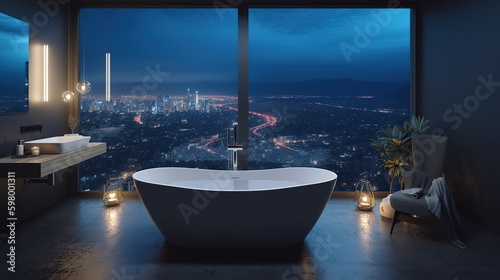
x=284 y=132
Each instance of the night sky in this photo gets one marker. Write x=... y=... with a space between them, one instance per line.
x=285 y=45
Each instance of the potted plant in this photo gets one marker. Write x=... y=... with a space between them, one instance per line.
x=395 y=146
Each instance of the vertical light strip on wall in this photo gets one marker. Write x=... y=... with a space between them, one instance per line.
x=108 y=76
x=45 y=73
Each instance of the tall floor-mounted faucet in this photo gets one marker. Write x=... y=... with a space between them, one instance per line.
x=233 y=147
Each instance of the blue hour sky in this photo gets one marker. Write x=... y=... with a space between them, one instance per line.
x=285 y=45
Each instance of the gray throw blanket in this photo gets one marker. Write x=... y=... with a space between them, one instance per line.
x=440 y=203
x=413 y=192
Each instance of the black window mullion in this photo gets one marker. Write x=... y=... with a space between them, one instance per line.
x=243 y=86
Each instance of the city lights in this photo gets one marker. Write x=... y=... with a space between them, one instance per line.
x=189 y=130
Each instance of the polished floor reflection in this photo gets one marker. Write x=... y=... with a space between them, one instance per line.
x=80 y=238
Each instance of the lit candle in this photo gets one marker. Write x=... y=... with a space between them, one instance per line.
x=35 y=151
x=364 y=202
x=112 y=196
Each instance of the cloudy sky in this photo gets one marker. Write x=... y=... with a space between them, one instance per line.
x=285 y=45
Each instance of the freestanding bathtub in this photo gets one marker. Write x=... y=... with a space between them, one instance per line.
x=251 y=209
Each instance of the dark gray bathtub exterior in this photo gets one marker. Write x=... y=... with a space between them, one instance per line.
x=218 y=216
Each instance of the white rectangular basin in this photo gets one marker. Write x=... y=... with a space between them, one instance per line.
x=58 y=144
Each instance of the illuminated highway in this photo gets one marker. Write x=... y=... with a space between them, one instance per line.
x=269 y=121
x=210 y=142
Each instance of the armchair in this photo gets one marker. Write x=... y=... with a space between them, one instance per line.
x=419 y=203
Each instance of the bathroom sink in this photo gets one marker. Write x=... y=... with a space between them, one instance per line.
x=58 y=144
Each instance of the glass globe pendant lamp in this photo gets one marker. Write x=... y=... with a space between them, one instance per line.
x=83 y=87
x=68 y=96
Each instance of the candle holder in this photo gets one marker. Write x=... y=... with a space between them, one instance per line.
x=113 y=192
x=364 y=198
x=35 y=151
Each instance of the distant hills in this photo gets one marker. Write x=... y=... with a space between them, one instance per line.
x=317 y=87
x=330 y=87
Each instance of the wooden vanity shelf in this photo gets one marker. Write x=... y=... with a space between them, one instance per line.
x=48 y=164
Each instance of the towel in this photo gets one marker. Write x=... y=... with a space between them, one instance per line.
x=413 y=192
x=440 y=203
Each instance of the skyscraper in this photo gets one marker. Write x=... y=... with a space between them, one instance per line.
x=160 y=105
x=197 y=105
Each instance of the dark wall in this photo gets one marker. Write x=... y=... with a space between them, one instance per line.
x=48 y=26
x=458 y=52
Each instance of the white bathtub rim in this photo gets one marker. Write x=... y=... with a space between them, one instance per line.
x=144 y=177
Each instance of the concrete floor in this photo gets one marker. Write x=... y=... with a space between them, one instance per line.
x=79 y=238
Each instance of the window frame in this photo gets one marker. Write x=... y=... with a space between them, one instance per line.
x=242 y=8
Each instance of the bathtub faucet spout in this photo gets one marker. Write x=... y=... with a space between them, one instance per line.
x=233 y=147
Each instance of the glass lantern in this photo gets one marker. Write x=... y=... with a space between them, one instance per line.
x=113 y=192
x=364 y=198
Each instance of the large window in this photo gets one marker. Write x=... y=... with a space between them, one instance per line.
x=173 y=83
x=321 y=83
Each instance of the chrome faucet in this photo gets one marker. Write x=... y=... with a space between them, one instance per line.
x=233 y=147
